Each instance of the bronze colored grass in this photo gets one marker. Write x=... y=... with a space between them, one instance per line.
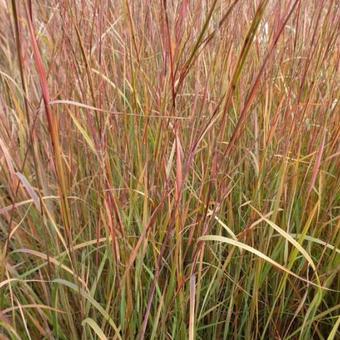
x=169 y=169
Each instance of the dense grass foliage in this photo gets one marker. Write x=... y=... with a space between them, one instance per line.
x=169 y=169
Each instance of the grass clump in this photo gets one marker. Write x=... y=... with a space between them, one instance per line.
x=169 y=169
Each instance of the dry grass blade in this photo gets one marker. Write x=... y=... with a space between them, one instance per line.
x=53 y=127
x=257 y=253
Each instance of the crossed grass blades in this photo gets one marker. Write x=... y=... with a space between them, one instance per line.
x=169 y=169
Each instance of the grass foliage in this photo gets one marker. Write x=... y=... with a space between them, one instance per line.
x=169 y=169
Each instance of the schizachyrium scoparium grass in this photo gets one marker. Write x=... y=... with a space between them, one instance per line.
x=169 y=169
